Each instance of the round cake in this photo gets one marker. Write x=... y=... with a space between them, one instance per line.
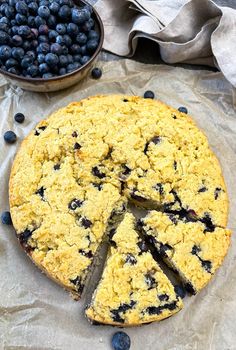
x=76 y=172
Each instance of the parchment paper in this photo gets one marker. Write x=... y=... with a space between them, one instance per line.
x=35 y=313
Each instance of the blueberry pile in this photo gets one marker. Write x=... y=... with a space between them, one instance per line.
x=45 y=38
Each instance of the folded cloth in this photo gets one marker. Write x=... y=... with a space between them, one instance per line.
x=187 y=31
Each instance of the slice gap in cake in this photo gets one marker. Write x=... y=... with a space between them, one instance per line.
x=187 y=247
x=133 y=289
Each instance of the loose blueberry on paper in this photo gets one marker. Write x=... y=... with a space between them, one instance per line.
x=149 y=94
x=44 y=39
x=121 y=341
x=19 y=117
x=183 y=110
x=6 y=218
x=10 y=137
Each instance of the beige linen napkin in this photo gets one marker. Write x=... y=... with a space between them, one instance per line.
x=189 y=31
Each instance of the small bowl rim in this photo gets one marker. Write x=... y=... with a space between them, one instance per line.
x=80 y=69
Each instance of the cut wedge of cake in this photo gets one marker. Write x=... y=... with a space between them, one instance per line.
x=133 y=289
x=192 y=248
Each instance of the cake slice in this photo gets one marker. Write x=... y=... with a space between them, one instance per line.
x=133 y=289
x=191 y=248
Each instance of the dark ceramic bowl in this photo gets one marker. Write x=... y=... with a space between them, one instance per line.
x=63 y=81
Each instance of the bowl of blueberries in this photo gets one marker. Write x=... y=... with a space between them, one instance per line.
x=48 y=45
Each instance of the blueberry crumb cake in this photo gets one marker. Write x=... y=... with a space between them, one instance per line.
x=70 y=185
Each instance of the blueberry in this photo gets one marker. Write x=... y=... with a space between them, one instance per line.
x=34 y=32
x=61 y=28
x=84 y=59
x=63 y=61
x=43 y=29
x=41 y=58
x=43 y=39
x=5 y=20
x=60 y=40
x=33 y=8
x=81 y=39
x=4 y=37
x=52 y=21
x=33 y=70
x=54 y=7
x=75 y=49
x=87 y=13
x=77 y=58
x=120 y=341
x=39 y=20
x=20 y=19
x=66 y=2
x=93 y=35
x=5 y=52
x=72 y=66
x=83 y=50
x=22 y=8
x=183 y=110
x=4 y=27
x=88 y=25
x=92 y=45
x=10 y=12
x=43 y=48
x=13 y=70
x=78 y=16
x=14 y=30
x=43 y=68
x=31 y=54
x=12 y=2
x=10 y=137
x=62 y=71
x=96 y=73
x=31 y=21
x=26 y=45
x=43 y=11
x=17 y=53
x=3 y=7
x=26 y=62
x=51 y=59
x=11 y=62
x=72 y=29
x=43 y=3
x=47 y=75
x=67 y=40
x=149 y=94
x=56 y=49
x=65 y=50
x=19 y=117
x=13 y=22
x=52 y=35
x=70 y=59
x=64 y=13
x=6 y=218
x=24 y=31
x=34 y=44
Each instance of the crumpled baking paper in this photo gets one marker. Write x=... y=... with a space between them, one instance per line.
x=190 y=31
x=36 y=313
